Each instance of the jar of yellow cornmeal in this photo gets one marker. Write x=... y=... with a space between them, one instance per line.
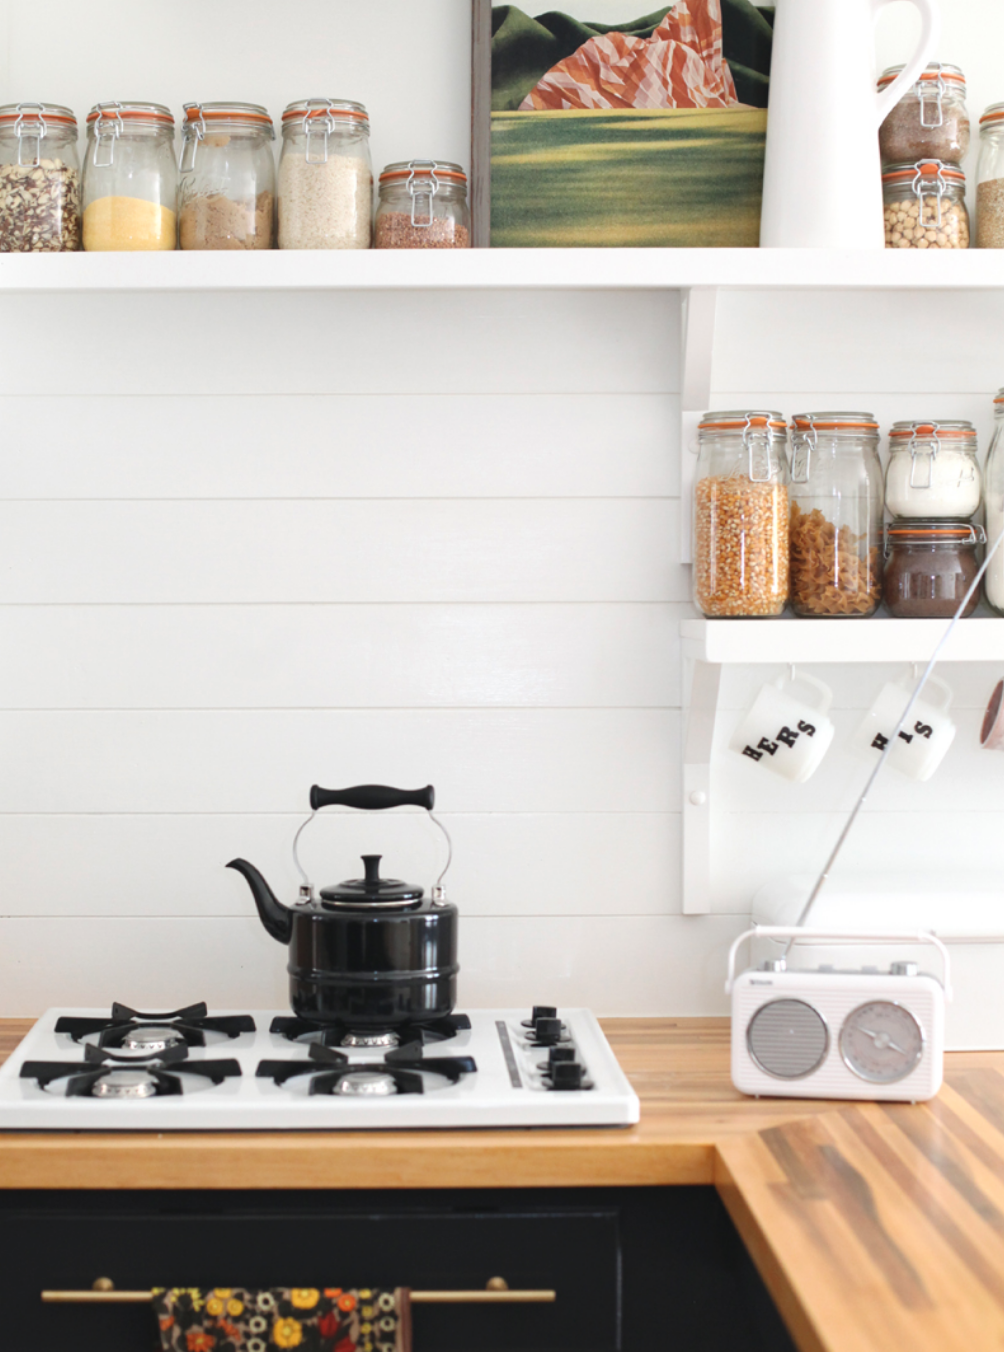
x=130 y=178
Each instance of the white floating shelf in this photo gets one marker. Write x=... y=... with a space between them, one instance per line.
x=490 y=268
x=874 y=640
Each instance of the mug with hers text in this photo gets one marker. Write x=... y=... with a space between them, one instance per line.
x=786 y=734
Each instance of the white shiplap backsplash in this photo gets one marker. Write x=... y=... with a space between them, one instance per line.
x=249 y=542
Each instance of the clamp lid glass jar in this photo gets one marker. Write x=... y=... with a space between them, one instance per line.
x=925 y=206
x=39 y=179
x=741 y=514
x=130 y=177
x=930 y=565
x=990 y=180
x=836 y=514
x=933 y=470
x=423 y=205
x=993 y=578
x=930 y=119
x=226 y=182
x=325 y=176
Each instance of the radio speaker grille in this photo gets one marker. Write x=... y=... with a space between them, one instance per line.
x=787 y=1039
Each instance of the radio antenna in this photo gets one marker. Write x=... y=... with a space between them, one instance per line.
x=827 y=867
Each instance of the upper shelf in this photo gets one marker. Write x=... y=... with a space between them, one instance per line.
x=873 y=640
x=488 y=268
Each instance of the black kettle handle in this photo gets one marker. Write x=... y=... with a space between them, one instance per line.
x=372 y=797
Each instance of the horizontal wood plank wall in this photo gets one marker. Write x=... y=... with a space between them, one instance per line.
x=443 y=550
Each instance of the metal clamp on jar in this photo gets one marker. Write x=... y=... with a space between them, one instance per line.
x=933 y=471
x=925 y=206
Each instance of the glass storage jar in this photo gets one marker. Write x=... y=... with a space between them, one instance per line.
x=925 y=206
x=990 y=180
x=39 y=179
x=130 y=178
x=741 y=514
x=930 y=120
x=226 y=182
x=993 y=492
x=836 y=514
x=930 y=565
x=325 y=176
x=423 y=205
x=933 y=470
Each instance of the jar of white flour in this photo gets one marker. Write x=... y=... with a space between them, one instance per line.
x=325 y=176
x=933 y=471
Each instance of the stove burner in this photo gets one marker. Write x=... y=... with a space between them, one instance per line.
x=188 y=1025
x=150 y=1039
x=341 y=1035
x=366 y=1083
x=125 y=1084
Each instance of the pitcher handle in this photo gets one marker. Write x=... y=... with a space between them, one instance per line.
x=930 y=31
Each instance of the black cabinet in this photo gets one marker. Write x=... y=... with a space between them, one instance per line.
x=634 y=1268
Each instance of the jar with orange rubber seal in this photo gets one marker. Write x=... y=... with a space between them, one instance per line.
x=925 y=206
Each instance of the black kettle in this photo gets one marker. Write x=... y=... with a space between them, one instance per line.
x=371 y=952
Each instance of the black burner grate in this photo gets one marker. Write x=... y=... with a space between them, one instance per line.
x=190 y=1024
x=101 y=1066
x=403 y=1067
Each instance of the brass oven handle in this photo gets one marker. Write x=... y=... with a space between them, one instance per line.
x=496 y=1293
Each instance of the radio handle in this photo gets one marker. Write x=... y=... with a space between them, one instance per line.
x=841 y=936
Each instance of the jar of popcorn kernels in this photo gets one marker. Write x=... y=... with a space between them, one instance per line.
x=925 y=206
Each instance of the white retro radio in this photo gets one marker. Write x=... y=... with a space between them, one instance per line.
x=825 y=1033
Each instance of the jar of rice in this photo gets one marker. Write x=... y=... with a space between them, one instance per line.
x=325 y=176
x=130 y=178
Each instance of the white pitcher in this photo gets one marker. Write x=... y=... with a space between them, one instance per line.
x=822 y=185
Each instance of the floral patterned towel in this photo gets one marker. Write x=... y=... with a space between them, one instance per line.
x=232 y=1319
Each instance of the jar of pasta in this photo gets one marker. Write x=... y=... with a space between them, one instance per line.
x=39 y=179
x=741 y=514
x=836 y=514
x=925 y=206
x=933 y=470
x=325 y=176
x=130 y=178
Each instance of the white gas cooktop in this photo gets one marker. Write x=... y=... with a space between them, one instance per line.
x=80 y=1069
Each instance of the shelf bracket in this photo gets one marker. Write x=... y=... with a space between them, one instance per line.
x=697 y=318
x=701 y=683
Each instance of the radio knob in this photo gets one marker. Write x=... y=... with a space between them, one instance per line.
x=904 y=969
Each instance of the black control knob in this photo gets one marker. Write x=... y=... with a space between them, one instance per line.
x=559 y=1054
x=547 y=1031
x=566 y=1075
x=543 y=1012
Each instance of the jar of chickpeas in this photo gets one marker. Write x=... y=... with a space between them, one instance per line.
x=925 y=206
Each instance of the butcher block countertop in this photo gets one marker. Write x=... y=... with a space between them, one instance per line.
x=874 y=1227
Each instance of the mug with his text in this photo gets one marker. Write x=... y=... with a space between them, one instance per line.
x=783 y=733
x=922 y=742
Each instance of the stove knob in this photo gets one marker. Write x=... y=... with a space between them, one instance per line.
x=543 y=1012
x=556 y=1054
x=566 y=1075
x=547 y=1031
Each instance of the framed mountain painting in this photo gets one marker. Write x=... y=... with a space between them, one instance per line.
x=593 y=126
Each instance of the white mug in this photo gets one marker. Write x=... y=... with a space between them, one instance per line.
x=922 y=743
x=785 y=734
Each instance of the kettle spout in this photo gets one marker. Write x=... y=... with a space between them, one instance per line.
x=277 y=919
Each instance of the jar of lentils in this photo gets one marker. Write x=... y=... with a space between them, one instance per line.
x=930 y=121
x=933 y=470
x=39 y=179
x=325 y=176
x=423 y=205
x=925 y=206
x=990 y=180
x=836 y=514
x=741 y=512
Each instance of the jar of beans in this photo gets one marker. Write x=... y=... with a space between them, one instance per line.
x=836 y=514
x=741 y=510
x=39 y=179
x=930 y=565
x=423 y=205
x=990 y=180
x=925 y=206
x=933 y=470
x=930 y=121
x=325 y=176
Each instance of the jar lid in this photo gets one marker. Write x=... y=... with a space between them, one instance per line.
x=929 y=75
x=130 y=112
x=999 y=396
x=934 y=431
x=994 y=112
x=901 y=173
x=934 y=530
x=34 y=112
x=738 y=420
x=441 y=169
x=231 y=114
x=834 y=422
x=338 y=110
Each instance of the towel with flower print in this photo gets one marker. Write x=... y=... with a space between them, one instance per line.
x=308 y=1319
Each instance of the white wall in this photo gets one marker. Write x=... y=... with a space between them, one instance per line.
x=251 y=542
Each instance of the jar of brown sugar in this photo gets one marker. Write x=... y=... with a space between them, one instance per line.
x=741 y=511
x=423 y=205
x=930 y=565
x=930 y=121
x=925 y=206
x=226 y=183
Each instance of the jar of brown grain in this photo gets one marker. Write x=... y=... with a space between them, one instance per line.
x=423 y=205
x=925 y=206
x=741 y=514
x=930 y=120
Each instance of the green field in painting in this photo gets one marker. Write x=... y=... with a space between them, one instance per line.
x=675 y=177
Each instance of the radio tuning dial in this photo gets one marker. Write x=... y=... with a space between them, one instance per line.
x=881 y=1042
